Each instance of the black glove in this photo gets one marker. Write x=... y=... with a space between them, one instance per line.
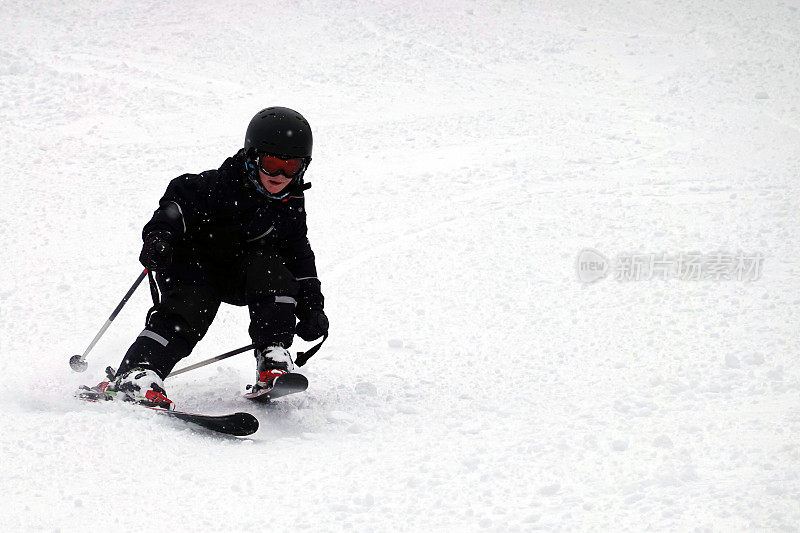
x=313 y=325
x=157 y=250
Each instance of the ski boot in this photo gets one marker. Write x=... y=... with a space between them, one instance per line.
x=271 y=362
x=141 y=385
x=275 y=375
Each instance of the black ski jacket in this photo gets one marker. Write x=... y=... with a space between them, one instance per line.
x=218 y=215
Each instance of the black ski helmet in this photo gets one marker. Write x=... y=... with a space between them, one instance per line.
x=279 y=131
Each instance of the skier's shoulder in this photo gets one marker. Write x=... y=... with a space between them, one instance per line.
x=186 y=184
x=233 y=167
x=230 y=170
x=210 y=181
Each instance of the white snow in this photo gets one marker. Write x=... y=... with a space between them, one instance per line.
x=465 y=153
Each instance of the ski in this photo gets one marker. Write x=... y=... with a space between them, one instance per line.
x=283 y=385
x=237 y=424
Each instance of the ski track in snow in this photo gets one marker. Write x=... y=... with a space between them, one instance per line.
x=465 y=153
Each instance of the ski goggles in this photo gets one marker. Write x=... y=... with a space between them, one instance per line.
x=272 y=165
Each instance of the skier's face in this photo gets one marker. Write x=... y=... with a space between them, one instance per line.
x=273 y=184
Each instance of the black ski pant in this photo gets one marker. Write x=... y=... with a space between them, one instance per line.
x=190 y=292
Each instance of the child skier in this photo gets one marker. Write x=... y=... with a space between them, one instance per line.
x=235 y=235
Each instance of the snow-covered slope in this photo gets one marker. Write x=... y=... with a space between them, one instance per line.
x=465 y=153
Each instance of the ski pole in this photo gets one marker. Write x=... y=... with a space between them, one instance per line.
x=302 y=357
x=213 y=359
x=78 y=362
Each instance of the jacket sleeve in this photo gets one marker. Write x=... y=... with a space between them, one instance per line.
x=301 y=262
x=182 y=208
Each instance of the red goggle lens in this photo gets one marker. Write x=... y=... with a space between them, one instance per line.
x=272 y=166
